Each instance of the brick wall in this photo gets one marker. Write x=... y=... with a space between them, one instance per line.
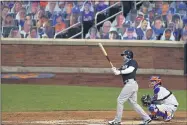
x=89 y=56
x=109 y=80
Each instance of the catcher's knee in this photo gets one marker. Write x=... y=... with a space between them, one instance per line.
x=152 y=108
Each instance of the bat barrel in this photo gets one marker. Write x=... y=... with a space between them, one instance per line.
x=105 y=53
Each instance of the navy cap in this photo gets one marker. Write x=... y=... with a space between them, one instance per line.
x=76 y=10
x=182 y=6
x=171 y=10
x=130 y=29
x=58 y=15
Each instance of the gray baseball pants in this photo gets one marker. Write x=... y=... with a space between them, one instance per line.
x=129 y=93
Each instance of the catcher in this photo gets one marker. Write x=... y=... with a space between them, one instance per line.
x=163 y=103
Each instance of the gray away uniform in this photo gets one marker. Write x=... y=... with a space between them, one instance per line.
x=129 y=92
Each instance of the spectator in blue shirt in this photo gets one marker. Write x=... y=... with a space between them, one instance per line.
x=88 y=15
x=158 y=27
x=178 y=26
x=101 y=6
x=182 y=10
x=158 y=6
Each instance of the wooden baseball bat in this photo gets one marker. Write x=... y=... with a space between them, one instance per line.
x=105 y=53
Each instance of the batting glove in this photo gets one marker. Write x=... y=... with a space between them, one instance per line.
x=115 y=71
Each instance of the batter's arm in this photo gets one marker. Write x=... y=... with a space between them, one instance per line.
x=128 y=70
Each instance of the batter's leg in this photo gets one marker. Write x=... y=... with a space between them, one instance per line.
x=133 y=101
x=126 y=92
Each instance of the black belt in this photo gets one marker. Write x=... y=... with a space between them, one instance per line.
x=176 y=106
x=128 y=80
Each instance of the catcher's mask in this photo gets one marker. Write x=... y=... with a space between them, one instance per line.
x=154 y=80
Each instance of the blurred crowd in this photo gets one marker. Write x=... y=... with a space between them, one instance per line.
x=38 y=19
x=156 y=20
x=44 y=19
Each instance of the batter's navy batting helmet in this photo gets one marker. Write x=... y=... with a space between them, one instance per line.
x=128 y=53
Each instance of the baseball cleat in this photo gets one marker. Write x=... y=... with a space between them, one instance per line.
x=146 y=122
x=168 y=118
x=113 y=122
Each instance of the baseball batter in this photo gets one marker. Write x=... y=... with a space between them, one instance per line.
x=164 y=103
x=130 y=89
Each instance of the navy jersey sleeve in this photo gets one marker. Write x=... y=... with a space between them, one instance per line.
x=133 y=63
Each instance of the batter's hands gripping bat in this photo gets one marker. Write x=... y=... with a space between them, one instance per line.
x=104 y=52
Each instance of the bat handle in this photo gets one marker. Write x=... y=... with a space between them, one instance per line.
x=111 y=64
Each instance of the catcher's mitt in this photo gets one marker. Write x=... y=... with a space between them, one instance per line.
x=146 y=100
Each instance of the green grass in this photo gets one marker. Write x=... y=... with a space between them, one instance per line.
x=49 y=98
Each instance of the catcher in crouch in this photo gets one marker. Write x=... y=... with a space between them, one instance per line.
x=163 y=103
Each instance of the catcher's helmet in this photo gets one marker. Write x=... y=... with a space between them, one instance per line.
x=155 y=79
x=129 y=54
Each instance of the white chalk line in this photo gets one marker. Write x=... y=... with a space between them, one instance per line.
x=90 y=122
